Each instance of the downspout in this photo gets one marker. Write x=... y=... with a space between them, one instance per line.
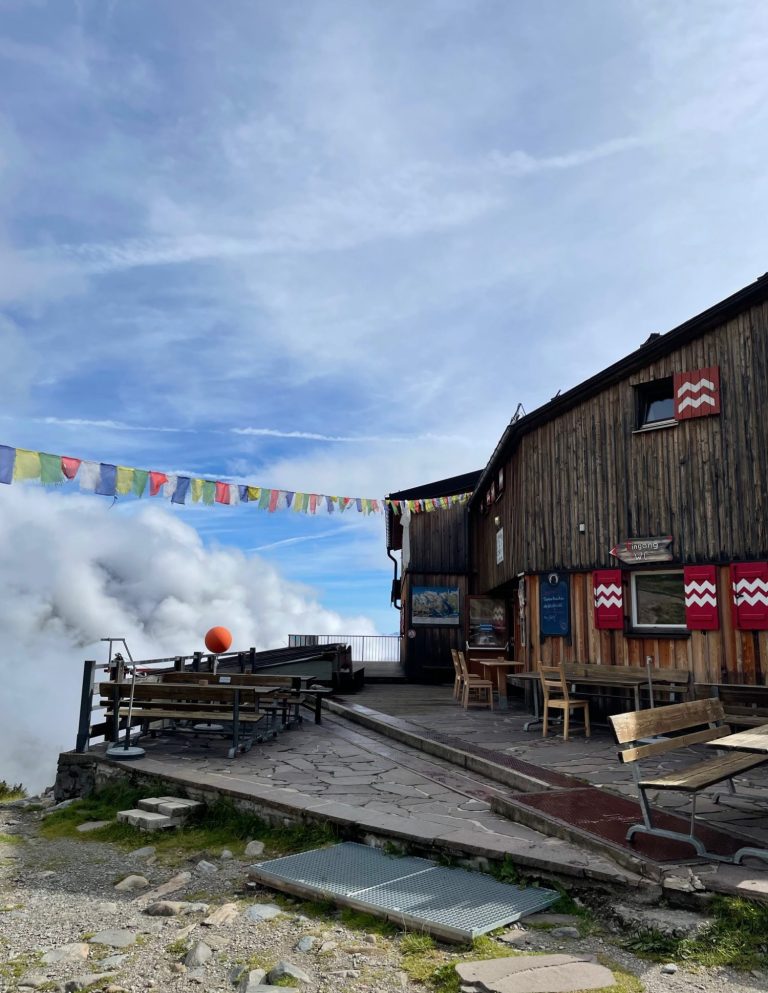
x=396 y=588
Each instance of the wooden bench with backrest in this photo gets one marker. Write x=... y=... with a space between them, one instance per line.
x=183 y=703
x=669 y=729
x=744 y=706
x=309 y=695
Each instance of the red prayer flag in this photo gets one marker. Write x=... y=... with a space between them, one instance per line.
x=69 y=466
x=274 y=496
x=156 y=480
x=222 y=493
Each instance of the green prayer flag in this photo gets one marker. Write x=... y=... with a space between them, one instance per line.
x=50 y=469
x=209 y=491
x=264 y=499
x=140 y=477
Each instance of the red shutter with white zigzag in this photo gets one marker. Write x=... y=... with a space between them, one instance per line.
x=697 y=393
x=749 y=582
x=701 y=613
x=609 y=599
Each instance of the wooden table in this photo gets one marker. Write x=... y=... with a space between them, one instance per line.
x=754 y=740
x=500 y=666
x=608 y=677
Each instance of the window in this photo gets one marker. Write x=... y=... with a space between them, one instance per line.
x=500 y=482
x=655 y=403
x=658 y=600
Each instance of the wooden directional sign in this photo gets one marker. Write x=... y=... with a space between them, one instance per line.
x=644 y=550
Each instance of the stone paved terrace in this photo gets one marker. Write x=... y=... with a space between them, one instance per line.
x=593 y=760
x=367 y=781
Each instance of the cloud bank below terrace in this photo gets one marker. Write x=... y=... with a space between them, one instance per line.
x=72 y=571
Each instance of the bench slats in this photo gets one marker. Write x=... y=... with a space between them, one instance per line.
x=703 y=774
x=661 y=720
x=169 y=713
x=671 y=744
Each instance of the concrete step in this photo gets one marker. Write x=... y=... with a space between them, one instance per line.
x=171 y=806
x=147 y=820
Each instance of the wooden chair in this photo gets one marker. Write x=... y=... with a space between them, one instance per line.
x=553 y=680
x=482 y=688
x=458 y=682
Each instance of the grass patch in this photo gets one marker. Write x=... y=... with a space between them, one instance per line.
x=178 y=948
x=10 y=839
x=417 y=944
x=212 y=828
x=15 y=968
x=737 y=937
x=11 y=791
x=355 y=920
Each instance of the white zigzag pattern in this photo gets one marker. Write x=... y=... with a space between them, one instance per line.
x=608 y=601
x=705 y=600
x=705 y=586
x=606 y=589
x=695 y=387
x=750 y=585
x=690 y=402
x=751 y=600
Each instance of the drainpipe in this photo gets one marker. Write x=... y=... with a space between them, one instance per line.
x=395 y=595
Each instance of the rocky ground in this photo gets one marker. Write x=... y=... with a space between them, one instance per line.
x=69 y=922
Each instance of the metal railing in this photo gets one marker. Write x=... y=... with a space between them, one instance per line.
x=365 y=647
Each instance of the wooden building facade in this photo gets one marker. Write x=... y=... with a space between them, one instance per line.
x=634 y=508
x=435 y=577
x=627 y=519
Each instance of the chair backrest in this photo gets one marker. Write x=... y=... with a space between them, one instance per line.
x=455 y=660
x=553 y=680
x=462 y=663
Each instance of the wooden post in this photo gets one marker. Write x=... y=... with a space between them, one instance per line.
x=252 y=658
x=178 y=663
x=86 y=707
x=196 y=660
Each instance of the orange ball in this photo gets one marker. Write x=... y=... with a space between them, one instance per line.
x=218 y=640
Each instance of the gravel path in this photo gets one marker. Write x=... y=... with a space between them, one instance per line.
x=62 y=893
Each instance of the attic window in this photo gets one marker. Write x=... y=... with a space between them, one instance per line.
x=655 y=403
x=500 y=482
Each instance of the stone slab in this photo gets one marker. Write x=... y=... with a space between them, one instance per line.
x=536 y=974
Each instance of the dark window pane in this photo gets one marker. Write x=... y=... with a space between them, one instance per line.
x=662 y=409
x=660 y=598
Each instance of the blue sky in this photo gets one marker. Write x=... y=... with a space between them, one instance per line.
x=383 y=222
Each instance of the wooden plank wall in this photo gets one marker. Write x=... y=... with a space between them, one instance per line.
x=703 y=481
x=724 y=656
x=439 y=540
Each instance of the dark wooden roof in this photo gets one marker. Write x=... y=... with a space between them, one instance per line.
x=443 y=487
x=652 y=349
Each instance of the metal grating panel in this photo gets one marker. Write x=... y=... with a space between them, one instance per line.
x=450 y=903
x=469 y=902
x=344 y=868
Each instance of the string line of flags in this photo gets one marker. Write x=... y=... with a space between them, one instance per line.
x=106 y=479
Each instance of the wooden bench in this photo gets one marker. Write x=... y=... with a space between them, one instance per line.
x=691 y=723
x=242 y=708
x=744 y=706
x=309 y=695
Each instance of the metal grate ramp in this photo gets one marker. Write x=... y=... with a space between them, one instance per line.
x=452 y=904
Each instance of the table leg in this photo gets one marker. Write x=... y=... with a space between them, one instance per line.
x=501 y=683
x=536 y=710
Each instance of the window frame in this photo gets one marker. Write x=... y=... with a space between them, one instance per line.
x=646 y=393
x=639 y=627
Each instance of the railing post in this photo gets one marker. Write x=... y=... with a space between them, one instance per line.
x=178 y=663
x=252 y=659
x=86 y=707
x=241 y=661
x=196 y=659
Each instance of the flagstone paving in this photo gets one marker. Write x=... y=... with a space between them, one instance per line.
x=593 y=760
x=340 y=772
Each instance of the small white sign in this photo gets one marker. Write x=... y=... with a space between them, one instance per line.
x=225 y=679
x=500 y=546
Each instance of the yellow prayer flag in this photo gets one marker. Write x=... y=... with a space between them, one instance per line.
x=254 y=493
x=124 y=479
x=27 y=464
x=196 y=489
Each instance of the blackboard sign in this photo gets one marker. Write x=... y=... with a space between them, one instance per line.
x=554 y=605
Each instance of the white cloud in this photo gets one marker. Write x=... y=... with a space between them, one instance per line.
x=72 y=572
